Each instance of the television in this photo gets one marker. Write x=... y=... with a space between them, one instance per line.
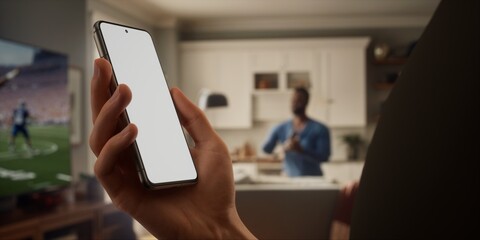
x=34 y=119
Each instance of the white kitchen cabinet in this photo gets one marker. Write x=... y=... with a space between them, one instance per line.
x=342 y=87
x=257 y=76
x=233 y=70
x=273 y=104
x=222 y=71
x=300 y=59
x=198 y=70
x=266 y=61
x=334 y=71
x=283 y=62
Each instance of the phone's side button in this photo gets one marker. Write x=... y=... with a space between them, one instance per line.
x=97 y=44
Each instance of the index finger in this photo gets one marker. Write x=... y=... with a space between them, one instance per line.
x=100 y=86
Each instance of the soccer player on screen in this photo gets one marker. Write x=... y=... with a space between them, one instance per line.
x=20 y=118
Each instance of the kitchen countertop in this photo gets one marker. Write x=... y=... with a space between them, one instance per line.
x=268 y=175
x=266 y=182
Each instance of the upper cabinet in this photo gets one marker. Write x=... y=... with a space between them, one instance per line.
x=346 y=87
x=333 y=69
x=266 y=61
x=281 y=69
x=274 y=74
x=258 y=76
x=222 y=71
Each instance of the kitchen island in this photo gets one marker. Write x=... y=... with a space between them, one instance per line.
x=278 y=207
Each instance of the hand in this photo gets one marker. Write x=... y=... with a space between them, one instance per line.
x=202 y=211
x=292 y=144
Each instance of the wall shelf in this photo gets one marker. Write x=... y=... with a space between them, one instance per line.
x=383 y=86
x=266 y=81
x=298 y=79
x=391 y=61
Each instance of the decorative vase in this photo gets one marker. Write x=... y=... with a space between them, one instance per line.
x=381 y=51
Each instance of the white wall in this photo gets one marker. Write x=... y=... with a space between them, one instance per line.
x=52 y=24
x=166 y=42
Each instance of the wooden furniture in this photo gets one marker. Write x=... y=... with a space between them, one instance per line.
x=85 y=220
x=388 y=71
x=382 y=76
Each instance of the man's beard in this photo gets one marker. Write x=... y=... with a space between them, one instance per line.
x=299 y=111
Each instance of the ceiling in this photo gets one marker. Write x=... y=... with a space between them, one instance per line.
x=215 y=11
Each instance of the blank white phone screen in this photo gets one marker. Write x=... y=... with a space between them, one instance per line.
x=161 y=143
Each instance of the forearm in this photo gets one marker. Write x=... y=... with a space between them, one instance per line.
x=268 y=147
x=200 y=226
x=313 y=155
x=231 y=227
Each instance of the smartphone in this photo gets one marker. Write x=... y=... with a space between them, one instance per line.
x=161 y=149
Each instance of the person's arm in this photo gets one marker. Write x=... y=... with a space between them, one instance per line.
x=323 y=149
x=205 y=210
x=271 y=141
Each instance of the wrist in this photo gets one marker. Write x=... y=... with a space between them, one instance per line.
x=234 y=228
x=227 y=226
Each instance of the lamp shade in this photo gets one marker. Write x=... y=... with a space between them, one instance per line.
x=216 y=100
x=209 y=99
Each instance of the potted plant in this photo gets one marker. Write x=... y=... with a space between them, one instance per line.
x=354 y=141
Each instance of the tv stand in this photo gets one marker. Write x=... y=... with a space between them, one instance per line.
x=85 y=220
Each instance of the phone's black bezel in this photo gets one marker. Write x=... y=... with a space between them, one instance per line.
x=102 y=49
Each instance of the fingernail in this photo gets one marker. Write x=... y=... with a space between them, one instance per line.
x=127 y=133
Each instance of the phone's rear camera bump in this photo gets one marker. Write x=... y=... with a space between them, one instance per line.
x=126 y=31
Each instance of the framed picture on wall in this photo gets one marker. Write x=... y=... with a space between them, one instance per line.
x=75 y=79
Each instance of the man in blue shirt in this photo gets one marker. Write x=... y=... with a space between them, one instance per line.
x=305 y=141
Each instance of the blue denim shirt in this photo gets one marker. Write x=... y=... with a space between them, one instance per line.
x=315 y=142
